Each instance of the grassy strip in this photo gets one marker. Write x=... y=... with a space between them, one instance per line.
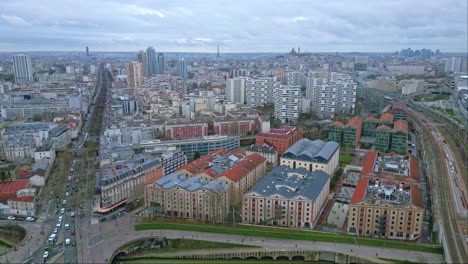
x=284 y=233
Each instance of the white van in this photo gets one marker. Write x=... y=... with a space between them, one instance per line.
x=52 y=239
x=67 y=241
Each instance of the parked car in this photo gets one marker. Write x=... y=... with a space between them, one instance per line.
x=72 y=214
x=62 y=211
x=56 y=230
x=11 y=217
x=74 y=243
x=72 y=232
x=67 y=226
x=59 y=224
x=67 y=241
x=30 y=219
x=46 y=254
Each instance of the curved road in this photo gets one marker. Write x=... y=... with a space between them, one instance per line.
x=118 y=232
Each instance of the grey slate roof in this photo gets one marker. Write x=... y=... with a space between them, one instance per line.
x=261 y=149
x=191 y=184
x=291 y=183
x=308 y=150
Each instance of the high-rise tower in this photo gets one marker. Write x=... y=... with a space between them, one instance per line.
x=87 y=51
x=151 y=60
x=181 y=68
x=22 y=68
x=217 y=54
x=160 y=63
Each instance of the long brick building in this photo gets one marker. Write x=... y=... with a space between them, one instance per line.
x=238 y=170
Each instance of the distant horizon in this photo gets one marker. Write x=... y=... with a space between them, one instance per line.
x=233 y=52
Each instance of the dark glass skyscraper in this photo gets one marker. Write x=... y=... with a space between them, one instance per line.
x=160 y=63
x=151 y=60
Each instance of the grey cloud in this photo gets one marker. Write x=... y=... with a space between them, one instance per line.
x=180 y=25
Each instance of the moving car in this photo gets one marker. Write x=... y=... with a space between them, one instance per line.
x=72 y=232
x=72 y=214
x=67 y=226
x=67 y=241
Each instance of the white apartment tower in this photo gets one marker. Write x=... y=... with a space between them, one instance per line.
x=288 y=103
x=235 y=90
x=333 y=96
x=22 y=67
x=259 y=91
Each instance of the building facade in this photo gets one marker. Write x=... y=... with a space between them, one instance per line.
x=288 y=103
x=312 y=155
x=280 y=138
x=134 y=74
x=286 y=197
x=269 y=153
x=186 y=129
x=238 y=170
x=236 y=90
x=22 y=68
x=385 y=210
x=259 y=91
x=124 y=181
x=234 y=126
x=176 y=195
x=191 y=146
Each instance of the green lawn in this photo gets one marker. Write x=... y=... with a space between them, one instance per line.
x=284 y=233
x=345 y=158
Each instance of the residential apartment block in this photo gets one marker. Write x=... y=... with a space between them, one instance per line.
x=259 y=91
x=288 y=103
x=384 y=209
x=123 y=181
x=385 y=134
x=240 y=126
x=236 y=90
x=201 y=145
x=239 y=171
x=185 y=129
x=176 y=195
x=268 y=152
x=312 y=155
x=336 y=95
x=286 y=197
x=280 y=138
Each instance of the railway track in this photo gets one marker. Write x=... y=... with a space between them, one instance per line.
x=453 y=239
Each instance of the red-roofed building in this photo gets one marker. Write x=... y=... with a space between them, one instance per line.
x=352 y=132
x=15 y=198
x=396 y=168
x=369 y=125
x=238 y=170
x=386 y=119
x=399 y=111
x=384 y=209
x=235 y=126
x=400 y=137
x=280 y=138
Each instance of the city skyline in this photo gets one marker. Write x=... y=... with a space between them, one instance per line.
x=201 y=26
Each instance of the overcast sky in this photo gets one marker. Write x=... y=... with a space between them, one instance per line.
x=236 y=25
